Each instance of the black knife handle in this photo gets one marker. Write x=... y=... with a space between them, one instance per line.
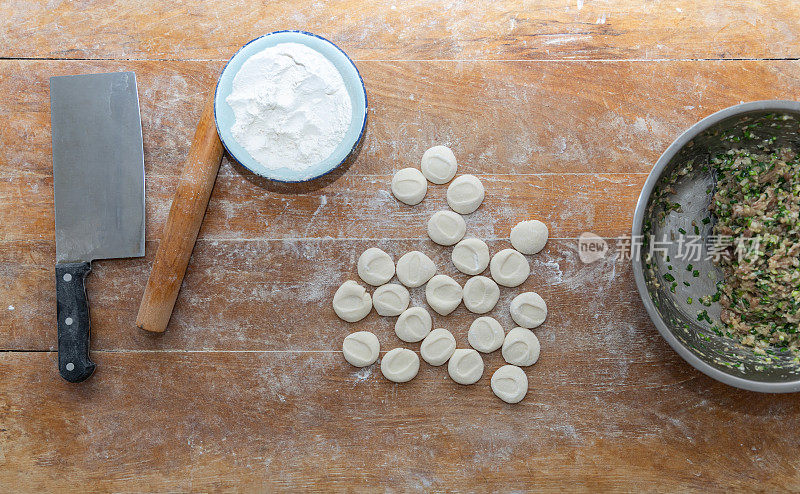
x=73 y=321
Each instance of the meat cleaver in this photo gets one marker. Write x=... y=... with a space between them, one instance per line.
x=98 y=177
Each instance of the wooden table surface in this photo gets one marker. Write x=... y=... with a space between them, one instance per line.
x=560 y=106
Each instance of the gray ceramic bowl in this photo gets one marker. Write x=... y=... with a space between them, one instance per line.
x=676 y=319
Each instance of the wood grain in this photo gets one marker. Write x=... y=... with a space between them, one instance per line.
x=561 y=107
x=409 y=30
x=235 y=290
x=184 y=421
x=354 y=207
x=546 y=117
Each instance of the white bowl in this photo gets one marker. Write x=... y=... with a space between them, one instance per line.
x=223 y=113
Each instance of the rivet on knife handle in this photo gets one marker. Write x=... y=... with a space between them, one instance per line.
x=73 y=321
x=183 y=223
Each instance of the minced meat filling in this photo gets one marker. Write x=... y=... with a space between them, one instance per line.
x=756 y=204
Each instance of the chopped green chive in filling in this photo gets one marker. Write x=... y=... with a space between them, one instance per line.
x=757 y=199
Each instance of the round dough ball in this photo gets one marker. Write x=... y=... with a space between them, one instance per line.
x=485 y=334
x=351 y=302
x=439 y=164
x=465 y=194
x=465 y=366
x=391 y=299
x=521 y=347
x=413 y=325
x=510 y=383
x=529 y=237
x=415 y=269
x=471 y=256
x=443 y=294
x=446 y=227
x=528 y=310
x=375 y=266
x=480 y=294
x=438 y=346
x=409 y=186
x=400 y=365
x=509 y=268
x=361 y=349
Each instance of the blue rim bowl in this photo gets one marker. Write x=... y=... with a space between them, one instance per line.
x=224 y=117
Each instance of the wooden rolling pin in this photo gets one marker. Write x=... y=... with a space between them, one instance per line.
x=183 y=223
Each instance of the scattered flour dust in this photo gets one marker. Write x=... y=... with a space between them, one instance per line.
x=291 y=106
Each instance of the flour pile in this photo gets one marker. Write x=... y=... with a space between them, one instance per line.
x=291 y=106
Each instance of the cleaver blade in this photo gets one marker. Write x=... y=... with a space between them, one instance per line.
x=98 y=180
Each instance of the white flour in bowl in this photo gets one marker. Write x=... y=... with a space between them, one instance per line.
x=291 y=107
